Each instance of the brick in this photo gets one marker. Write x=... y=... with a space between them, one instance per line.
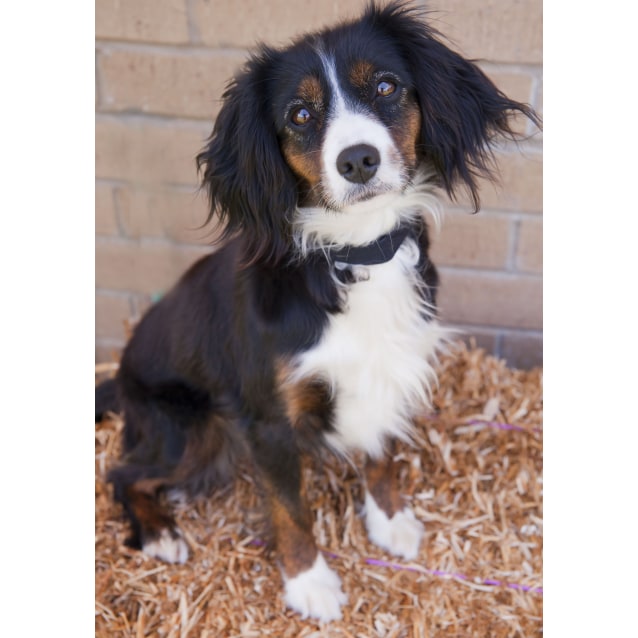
x=521 y=181
x=243 y=23
x=517 y=86
x=148 y=152
x=496 y=30
x=147 y=267
x=163 y=212
x=142 y=20
x=523 y=351
x=472 y=240
x=491 y=300
x=518 y=187
x=105 y=215
x=539 y=97
x=529 y=257
x=111 y=311
x=538 y=104
x=165 y=83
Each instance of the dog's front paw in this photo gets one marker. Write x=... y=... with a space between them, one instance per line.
x=400 y=535
x=316 y=592
x=168 y=546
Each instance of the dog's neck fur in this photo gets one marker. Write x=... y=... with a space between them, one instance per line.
x=317 y=228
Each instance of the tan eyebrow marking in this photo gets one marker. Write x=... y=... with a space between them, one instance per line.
x=310 y=91
x=361 y=73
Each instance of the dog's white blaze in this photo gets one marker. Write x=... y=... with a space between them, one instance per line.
x=377 y=355
x=347 y=127
x=400 y=535
x=315 y=592
x=169 y=547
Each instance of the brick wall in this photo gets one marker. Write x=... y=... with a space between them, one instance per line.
x=160 y=68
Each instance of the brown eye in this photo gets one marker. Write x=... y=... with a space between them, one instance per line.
x=385 y=88
x=300 y=116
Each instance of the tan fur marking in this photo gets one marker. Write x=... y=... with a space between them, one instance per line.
x=142 y=500
x=406 y=134
x=296 y=548
x=305 y=165
x=149 y=486
x=306 y=401
x=361 y=73
x=310 y=91
x=382 y=483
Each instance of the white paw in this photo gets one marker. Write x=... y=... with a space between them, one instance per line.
x=400 y=535
x=315 y=592
x=169 y=547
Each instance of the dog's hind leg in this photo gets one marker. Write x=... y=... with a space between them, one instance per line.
x=171 y=441
x=153 y=444
x=153 y=527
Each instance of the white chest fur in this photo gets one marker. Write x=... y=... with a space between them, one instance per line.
x=377 y=355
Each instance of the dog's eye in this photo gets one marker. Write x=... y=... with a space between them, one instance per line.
x=386 y=88
x=300 y=116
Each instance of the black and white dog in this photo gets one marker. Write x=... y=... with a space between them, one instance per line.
x=314 y=323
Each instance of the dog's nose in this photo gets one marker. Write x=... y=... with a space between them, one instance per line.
x=358 y=163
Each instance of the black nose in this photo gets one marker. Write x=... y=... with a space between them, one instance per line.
x=358 y=163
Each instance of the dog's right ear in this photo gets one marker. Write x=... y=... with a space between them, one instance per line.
x=251 y=189
x=462 y=111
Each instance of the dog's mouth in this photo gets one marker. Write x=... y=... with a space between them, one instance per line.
x=361 y=193
x=392 y=178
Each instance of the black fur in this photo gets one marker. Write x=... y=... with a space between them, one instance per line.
x=244 y=172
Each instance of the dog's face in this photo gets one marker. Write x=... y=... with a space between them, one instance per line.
x=345 y=116
x=348 y=120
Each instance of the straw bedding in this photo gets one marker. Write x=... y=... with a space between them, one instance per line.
x=474 y=479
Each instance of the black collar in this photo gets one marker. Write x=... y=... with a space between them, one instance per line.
x=379 y=251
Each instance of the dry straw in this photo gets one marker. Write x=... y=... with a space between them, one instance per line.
x=474 y=479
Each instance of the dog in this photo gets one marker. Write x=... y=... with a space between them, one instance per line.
x=314 y=323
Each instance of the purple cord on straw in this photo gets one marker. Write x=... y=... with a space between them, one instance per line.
x=438 y=572
x=501 y=426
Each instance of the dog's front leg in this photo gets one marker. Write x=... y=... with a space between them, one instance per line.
x=311 y=587
x=391 y=525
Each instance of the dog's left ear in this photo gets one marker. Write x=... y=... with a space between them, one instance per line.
x=462 y=110
x=252 y=190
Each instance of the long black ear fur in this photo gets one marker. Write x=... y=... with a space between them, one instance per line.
x=461 y=108
x=251 y=189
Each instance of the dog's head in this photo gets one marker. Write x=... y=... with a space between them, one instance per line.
x=344 y=117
